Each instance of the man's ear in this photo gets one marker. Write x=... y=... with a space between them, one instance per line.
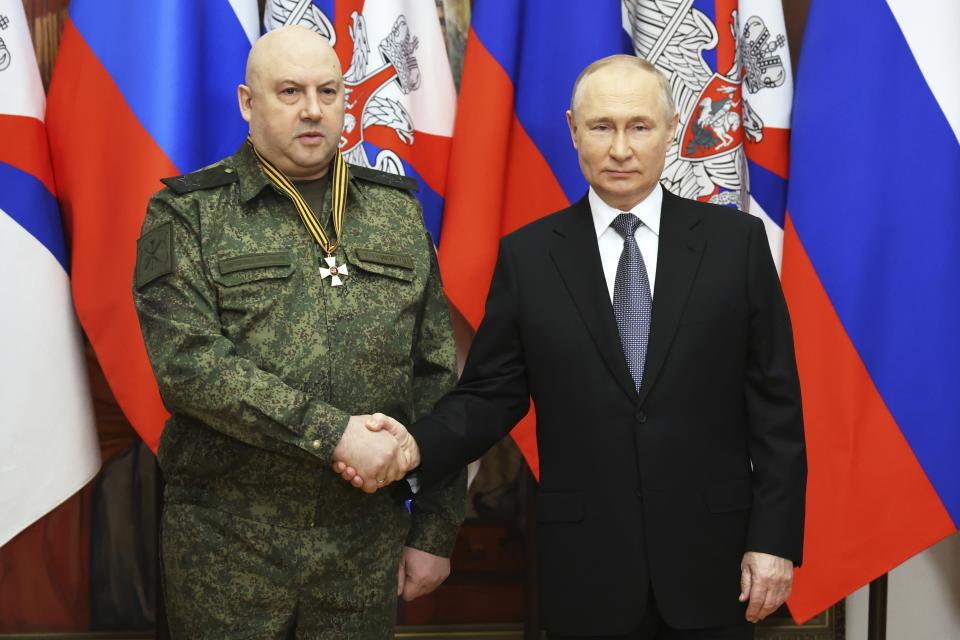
x=674 y=122
x=573 y=128
x=244 y=97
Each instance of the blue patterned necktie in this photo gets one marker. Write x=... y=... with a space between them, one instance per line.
x=632 y=302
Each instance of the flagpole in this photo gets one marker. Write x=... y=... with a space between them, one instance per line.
x=877 y=614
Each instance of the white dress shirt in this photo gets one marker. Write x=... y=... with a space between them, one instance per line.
x=611 y=243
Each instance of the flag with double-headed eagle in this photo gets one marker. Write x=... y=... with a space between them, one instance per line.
x=729 y=66
x=48 y=445
x=512 y=160
x=398 y=84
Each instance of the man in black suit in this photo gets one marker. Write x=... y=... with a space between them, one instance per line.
x=653 y=337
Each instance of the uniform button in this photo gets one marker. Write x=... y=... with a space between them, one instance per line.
x=641 y=417
x=228 y=170
x=316 y=444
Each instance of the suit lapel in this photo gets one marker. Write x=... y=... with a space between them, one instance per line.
x=577 y=258
x=679 y=253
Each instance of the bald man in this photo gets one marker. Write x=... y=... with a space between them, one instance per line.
x=653 y=337
x=283 y=295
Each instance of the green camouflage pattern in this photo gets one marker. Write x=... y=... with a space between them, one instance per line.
x=239 y=578
x=261 y=363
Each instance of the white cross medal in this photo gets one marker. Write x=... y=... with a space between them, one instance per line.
x=333 y=272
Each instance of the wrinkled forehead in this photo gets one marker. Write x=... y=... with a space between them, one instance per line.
x=302 y=70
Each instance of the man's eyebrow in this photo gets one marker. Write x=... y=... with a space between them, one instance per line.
x=631 y=120
x=299 y=82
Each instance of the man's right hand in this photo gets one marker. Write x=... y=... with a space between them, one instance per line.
x=374 y=457
x=407 y=456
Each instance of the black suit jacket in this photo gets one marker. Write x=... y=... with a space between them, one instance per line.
x=666 y=488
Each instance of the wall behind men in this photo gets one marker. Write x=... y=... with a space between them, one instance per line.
x=924 y=596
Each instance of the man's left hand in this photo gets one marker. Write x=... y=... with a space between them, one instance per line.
x=420 y=573
x=765 y=580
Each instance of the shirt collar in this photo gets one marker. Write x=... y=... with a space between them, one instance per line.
x=648 y=210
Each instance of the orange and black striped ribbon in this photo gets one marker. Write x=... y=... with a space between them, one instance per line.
x=310 y=220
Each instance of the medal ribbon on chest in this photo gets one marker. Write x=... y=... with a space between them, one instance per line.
x=338 y=185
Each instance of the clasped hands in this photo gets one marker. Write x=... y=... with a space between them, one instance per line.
x=374 y=451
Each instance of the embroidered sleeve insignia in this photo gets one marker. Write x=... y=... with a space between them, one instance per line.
x=154 y=255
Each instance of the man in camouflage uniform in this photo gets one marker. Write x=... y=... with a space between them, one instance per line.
x=268 y=369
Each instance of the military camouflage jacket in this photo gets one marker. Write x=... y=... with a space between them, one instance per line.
x=261 y=363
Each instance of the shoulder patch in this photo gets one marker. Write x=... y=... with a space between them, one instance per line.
x=382 y=177
x=203 y=179
x=154 y=254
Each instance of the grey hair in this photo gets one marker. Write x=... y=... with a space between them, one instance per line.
x=666 y=92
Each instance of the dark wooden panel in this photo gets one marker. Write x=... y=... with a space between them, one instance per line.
x=46 y=18
x=795 y=16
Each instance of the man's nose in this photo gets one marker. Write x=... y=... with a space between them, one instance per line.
x=312 y=109
x=619 y=148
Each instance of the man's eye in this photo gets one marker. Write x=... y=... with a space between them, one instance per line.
x=289 y=91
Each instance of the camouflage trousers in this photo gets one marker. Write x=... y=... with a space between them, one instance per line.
x=229 y=577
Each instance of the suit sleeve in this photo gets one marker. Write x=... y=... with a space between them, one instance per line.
x=772 y=393
x=198 y=370
x=438 y=509
x=492 y=395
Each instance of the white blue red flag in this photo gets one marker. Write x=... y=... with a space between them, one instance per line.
x=871 y=272
x=48 y=443
x=399 y=88
x=140 y=90
x=512 y=160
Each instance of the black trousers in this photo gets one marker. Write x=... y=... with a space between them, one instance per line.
x=653 y=627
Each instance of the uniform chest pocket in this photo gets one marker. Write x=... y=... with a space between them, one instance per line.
x=383 y=294
x=250 y=277
x=395 y=265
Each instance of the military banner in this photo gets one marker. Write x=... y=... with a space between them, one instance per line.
x=729 y=66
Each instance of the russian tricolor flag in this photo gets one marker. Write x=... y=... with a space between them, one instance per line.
x=871 y=270
x=512 y=159
x=48 y=444
x=140 y=91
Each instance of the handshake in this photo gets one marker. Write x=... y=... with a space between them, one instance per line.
x=375 y=451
